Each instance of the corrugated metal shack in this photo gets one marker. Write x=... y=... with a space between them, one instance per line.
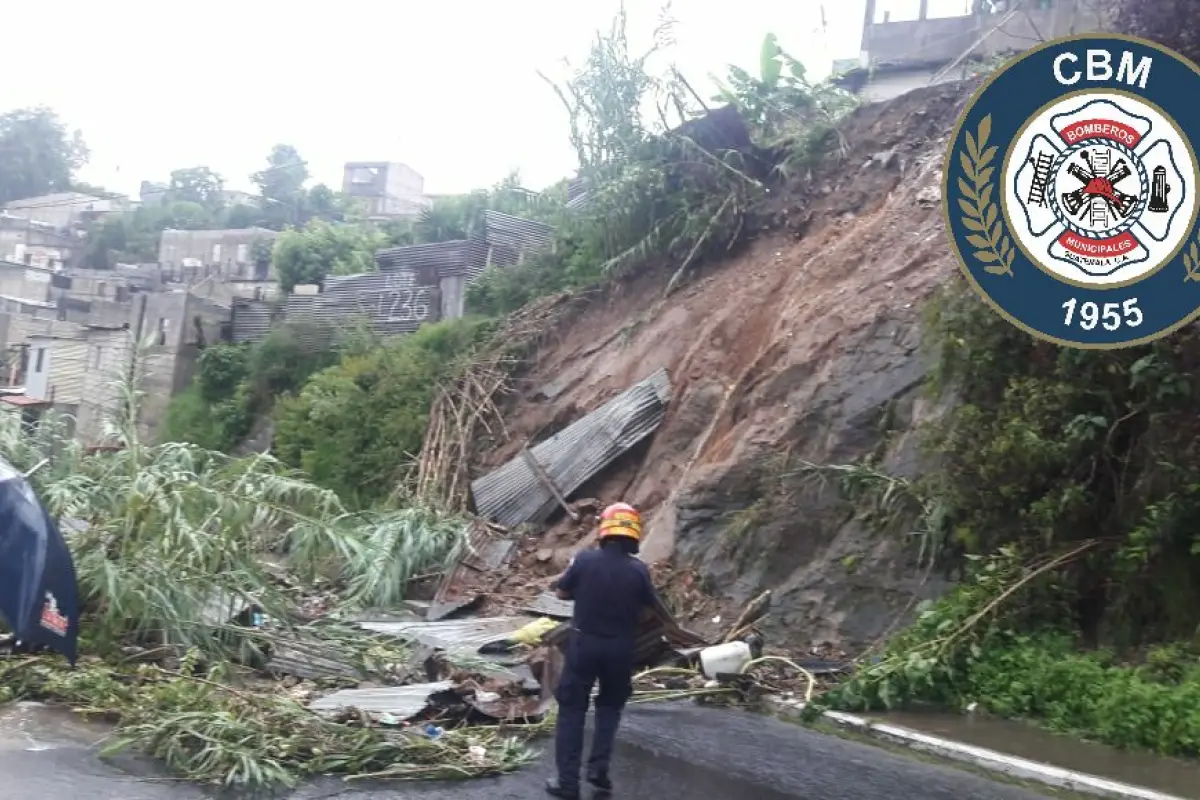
x=415 y=284
x=390 y=303
x=515 y=493
x=510 y=239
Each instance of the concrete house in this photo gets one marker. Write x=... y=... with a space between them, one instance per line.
x=899 y=55
x=391 y=190
x=66 y=210
x=229 y=254
x=34 y=243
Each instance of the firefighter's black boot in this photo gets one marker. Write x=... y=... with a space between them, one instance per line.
x=555 y=788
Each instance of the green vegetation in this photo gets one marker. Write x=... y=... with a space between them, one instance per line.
x=1069 y=481
x=309 y=254
x=237 y=383
x=357 y=426
x=177 y=534
x=678 y=188
x=660 y=190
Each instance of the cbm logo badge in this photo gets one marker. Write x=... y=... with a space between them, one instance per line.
x=1071 y=190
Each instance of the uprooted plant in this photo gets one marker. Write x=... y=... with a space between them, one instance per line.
x=208 y=728
x=171 y=543
x=668 y=178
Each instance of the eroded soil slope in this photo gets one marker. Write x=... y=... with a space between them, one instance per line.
x=802 y=348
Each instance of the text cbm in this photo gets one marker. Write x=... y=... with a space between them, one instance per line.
x=1098 y=66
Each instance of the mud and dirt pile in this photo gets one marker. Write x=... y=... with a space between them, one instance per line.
x=803 y=348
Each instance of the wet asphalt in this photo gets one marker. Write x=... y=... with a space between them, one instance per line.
x=665 y=751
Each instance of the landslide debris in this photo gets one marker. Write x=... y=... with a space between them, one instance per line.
x=804 y=348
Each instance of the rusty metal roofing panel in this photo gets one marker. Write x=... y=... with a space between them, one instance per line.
x=402 y=702
x=464 y=583
x=429 y=261
x=457 y=634
x=513 y=493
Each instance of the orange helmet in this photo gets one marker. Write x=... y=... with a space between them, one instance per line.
x=621 y=519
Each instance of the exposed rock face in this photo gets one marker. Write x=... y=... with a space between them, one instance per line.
x=804 y=348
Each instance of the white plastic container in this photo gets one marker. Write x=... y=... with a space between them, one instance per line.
x=728 y=658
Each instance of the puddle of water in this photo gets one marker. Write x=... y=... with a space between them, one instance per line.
x=1169 y=775
x=34 y=726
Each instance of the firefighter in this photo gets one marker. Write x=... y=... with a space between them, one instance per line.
x=610 y=587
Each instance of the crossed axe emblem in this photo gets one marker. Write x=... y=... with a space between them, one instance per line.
x=1094 y=185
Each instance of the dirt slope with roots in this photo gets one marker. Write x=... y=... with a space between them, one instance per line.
x=803 y=348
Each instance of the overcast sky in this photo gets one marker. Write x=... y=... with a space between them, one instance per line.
x=449 y=88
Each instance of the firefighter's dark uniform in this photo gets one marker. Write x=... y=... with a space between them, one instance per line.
x=610 y=588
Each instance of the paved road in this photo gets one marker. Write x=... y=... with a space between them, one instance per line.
x=666 y=751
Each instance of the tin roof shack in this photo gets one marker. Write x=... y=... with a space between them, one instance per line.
x=235 y=254
x=899 y=55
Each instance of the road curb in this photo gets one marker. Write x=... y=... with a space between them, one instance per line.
x=1011 y=766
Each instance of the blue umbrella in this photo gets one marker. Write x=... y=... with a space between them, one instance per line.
x=39 y=598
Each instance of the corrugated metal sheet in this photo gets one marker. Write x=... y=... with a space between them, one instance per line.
x=394 y=302
x=459 y=634
x=575 y=188
x=547 y=604
x=515 y=233
x=251 y=319
x=485 y=552
x=477 y=255
x=402 y=702
x=101 y=388
x=391 y=302
x=513 y=494
x=306 y=656
x=67 y=370
x=429 y=261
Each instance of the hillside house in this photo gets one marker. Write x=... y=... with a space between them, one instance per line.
x=39 y=244
x=66 y=211
x=390 y=190
x=235 y=254
x=901 y=54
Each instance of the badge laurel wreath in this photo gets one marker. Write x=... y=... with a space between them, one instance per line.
x=981 y=212
x=1191 y=261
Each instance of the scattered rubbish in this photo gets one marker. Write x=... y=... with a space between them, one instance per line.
x=398 y=702
x=433 y=731
x=472 y=576
x=532 y=633
x=486 y=697
x=547 y=605
x=477 y=753
x=462 y=635
x=721 y=659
